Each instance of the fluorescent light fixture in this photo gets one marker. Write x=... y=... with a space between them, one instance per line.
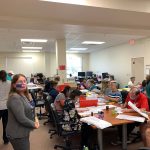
x=32 y=48
x=78 y=2
x=78 y=49
x=31 y=51
x=72 y=51
x=93 y=42
x=34 y=40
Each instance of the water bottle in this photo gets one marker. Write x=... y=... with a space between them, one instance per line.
x=85 y=148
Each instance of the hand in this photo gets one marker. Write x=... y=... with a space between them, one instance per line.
x=37 y=125
x=125 y=110
x=148 y=121
x=106 y=97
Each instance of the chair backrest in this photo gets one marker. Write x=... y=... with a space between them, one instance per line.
x=124 y=94
x=57 y=119
x=48 y=102
x=33 y=95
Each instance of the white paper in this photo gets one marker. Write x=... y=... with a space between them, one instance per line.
x=85 y=113
x=137 y=110
x=97 y=122
x=84 y=91
x=132 y=118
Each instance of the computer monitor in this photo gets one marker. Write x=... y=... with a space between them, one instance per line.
x=89 y=73
x=81 y=74
x=105 y=75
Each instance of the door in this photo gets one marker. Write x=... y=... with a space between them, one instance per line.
x=137 y=68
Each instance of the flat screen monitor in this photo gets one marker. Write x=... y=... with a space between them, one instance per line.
x=81 y=74
x=105 y=75
x=89 y=73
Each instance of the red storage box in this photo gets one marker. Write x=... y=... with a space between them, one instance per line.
x=88 y=103
x=61 y=87
x=82 y=97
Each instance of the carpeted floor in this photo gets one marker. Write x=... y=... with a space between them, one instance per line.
x=40 y=139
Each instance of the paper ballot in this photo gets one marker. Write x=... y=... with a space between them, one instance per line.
x=97 y=122
x=137 y=110
x=132 y=118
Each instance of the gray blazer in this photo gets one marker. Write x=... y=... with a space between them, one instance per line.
x=20 y=117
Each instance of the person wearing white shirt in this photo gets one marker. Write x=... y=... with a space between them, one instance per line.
x=131 y=83
x=4 y=91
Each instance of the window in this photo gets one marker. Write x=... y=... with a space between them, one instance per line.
x=74 y=64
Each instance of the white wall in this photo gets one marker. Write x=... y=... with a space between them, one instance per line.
x=117 y=60
x=37 y=62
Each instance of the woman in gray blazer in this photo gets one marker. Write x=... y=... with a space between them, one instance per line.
x=20 y=114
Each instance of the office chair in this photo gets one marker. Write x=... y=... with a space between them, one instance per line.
x=65 y=134
x=48 y=100
x=39 y=102
x=144 y=148
x=124 y=94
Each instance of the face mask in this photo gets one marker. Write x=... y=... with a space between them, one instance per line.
x=20 y=86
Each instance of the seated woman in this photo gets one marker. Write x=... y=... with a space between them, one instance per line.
x=70 y=116
x=105 y=87
x=61 y=97
x=91 y=85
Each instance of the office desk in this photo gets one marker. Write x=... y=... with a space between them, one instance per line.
x=34 y=87
x=108 y=116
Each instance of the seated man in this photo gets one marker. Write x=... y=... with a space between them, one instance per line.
x=53 y=90
x=114 y=95
x=141 y=102
x=131 y=83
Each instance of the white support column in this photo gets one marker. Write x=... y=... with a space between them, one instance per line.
x=61 y=59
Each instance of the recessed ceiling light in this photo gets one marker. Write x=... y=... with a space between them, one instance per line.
x=93 y=42
x=34 y=40
x=79 y=2
x=78 y=49
x=31 y=47
x=31 y=51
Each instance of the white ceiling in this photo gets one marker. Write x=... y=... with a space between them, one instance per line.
x=111 y=23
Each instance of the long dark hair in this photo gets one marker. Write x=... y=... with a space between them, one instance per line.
x=66 y=90
x=14 y=90
x=75 y=93
x=3 y=75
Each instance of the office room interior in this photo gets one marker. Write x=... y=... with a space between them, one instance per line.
x=124 y=29
x=118 y=32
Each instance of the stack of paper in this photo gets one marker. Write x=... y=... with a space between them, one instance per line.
x=137 y=110
x=96 y=122
x=85 y=113
x=132 y=118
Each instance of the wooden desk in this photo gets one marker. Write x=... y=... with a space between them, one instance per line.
x=108 y=116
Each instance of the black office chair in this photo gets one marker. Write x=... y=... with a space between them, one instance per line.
x=65 y=134
x=39 y=102
x=144 y=148
x=48 y=100
x=124 y=94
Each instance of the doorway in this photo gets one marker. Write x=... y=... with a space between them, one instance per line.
x=137 y=68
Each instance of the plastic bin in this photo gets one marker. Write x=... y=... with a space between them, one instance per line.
x=88 y=103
